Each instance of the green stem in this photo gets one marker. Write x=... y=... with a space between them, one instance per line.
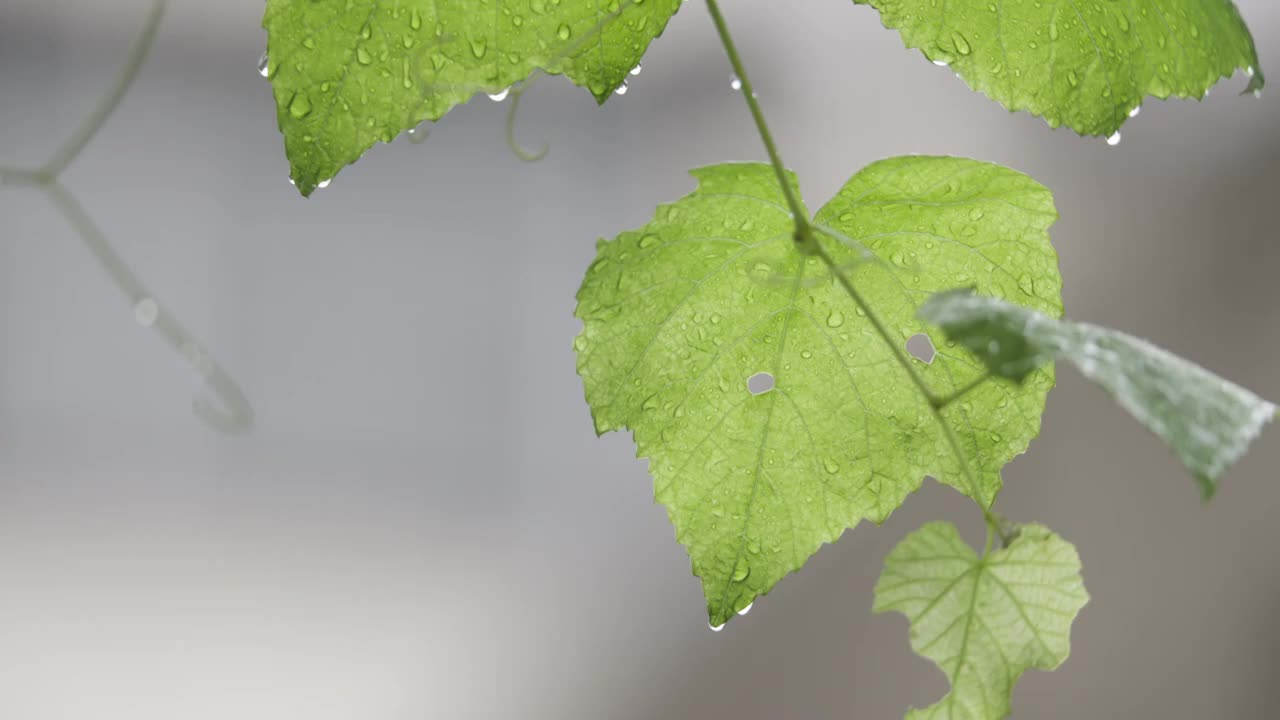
x=94 y=122
x=235 y=414
x=803 y=233
x=807 y=242
x=946 y=400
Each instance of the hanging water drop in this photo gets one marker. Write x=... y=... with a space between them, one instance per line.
x=636 y=70
x=146 y=312
x=621 y=89
x=264 y=64
x=1114 y=139
x=941 y=63
x=746 y=609
x=735 y=82
x=1249 y=71
x=715 y=628
x=500 y=96
x=1134 y=112
x=323 y=184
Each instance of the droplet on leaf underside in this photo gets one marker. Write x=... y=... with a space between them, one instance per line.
x=636 y=70
x=1134 y=112
x=715 y=628
x=621 y=89
x=1114 y=139
x=746 y=609
x=500 y=95
x=264 y=64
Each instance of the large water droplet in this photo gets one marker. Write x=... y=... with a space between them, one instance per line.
x=264 y=64
x=323 y=184
x=835 y=319
x=146 y=312
x=621 y=89
x=1114 y=139
x=735 y=82
x=715 y=628
x=746 y=609
x=636 y=70
x=500 y=95
x=1134 y=112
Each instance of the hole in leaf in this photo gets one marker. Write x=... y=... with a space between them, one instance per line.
x=760 y=383
x=921 y=348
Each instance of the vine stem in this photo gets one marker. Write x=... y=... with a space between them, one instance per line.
x=232 y=412
x=807 y=242
x=71 y=149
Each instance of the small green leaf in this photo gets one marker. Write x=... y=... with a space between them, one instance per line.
x=349 y=74
x=1085 y=65
x=682 y=313
x=1208 y=421
x=983 y=620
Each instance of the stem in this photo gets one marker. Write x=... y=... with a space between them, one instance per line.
x=807 y=242
x=137 y=55
x=236 y=414
x=803 y=233
x=946 y=400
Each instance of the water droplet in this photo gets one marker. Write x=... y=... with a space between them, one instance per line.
x=735 y=82
x=831 y=466
x=300 y=106
x=564 y=32
x=1134 y=112
x=715 y=628
x=621 y=89
x=146 y=312
x=636 y=70
x=835 y=319
x=741 y=572
x=941 y=63
x=500 y=95
x=746 y=609
x=961 y=43
x=264 y=65
x=323 y=184
x=363 y=56
x=1258 y=93
x=1114 y=139
x=198 y=358
x=1249 y=71
x=976 y=214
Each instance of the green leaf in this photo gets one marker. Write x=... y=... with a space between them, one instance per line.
x=1085 y=65
x=983 y=620
x=680 y=313
x=1208 y=421
x=349 y=74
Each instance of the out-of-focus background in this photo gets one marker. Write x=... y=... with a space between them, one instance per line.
x=422 y=524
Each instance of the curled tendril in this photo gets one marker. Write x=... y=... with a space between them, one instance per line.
x=516 y=92
x=230 y=410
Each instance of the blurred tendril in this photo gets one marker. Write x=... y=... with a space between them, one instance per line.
x=230 y=411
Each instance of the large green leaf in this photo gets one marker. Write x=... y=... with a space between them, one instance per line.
x=983 y=620
x=1209 y=422
x=680 y=313
x=348 y=74
x=1085 y=64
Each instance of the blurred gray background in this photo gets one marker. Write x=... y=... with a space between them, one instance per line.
x=422 y=523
